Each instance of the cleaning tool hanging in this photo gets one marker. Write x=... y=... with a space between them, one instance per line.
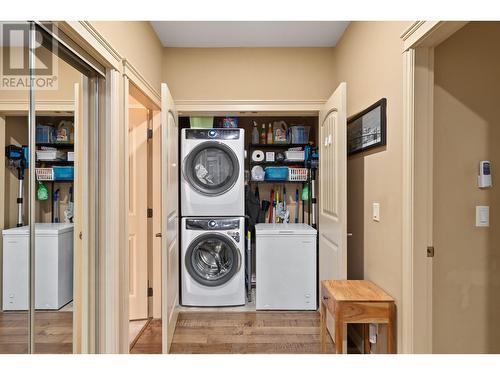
x=275 y=214
x=305 y=197
x=283 y=212
x=272 y=205
x=313 y=198
x=296 y=205
x=55 y=206
x=68 y=212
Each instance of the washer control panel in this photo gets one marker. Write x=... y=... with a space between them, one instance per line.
x=213 y=224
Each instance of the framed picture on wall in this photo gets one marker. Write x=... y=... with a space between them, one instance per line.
x=367 y=129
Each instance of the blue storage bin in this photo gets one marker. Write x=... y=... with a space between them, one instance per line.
x=276 y=174
x=44 y=133
x=299 y=134
x=63 y=173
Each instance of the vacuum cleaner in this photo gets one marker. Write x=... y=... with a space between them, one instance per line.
x=311 y=161
x=17 y=159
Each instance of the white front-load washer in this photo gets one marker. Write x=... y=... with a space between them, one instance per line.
x=213 y=261
x=212 y=181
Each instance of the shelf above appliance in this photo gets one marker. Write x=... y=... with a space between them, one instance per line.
x=277 y=145
x=285 y=163
x=277 y=182
x=55 y=162
x=56 y=145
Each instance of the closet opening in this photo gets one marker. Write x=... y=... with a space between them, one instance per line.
x=279 y=186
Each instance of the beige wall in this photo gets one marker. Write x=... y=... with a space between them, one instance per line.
x=137 y=42
x=249 y=73
x=369 y=58
x=66 y=75
x=466 y=267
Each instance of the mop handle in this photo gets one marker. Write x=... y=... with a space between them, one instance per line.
x=297 y=204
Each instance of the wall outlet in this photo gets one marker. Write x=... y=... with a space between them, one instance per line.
x=376 y=212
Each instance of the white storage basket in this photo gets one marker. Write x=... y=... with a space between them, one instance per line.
x=294 y=155
x=44 y=174
x=49 y=155
x=297 y=174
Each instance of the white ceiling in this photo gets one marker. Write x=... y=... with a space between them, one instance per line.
x=213 y=34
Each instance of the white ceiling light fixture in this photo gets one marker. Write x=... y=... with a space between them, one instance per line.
x=220 y=34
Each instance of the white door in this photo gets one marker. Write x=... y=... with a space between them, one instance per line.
x=170 y=217
x=137 y=211
x=157 y=218
x=332 y=217
x=80 y=264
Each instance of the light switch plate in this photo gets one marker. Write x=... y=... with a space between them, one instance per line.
x=482 y=216
x=376 y=212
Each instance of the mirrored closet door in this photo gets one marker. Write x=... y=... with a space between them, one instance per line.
x=49 y=116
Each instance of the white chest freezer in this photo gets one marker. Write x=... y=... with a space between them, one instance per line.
x=53 y=266
x=285 y=267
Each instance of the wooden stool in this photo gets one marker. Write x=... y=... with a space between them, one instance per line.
x=356 y=301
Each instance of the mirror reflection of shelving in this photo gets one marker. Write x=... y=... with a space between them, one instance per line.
x=55 y=168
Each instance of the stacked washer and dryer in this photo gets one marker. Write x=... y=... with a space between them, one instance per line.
x=213 y=217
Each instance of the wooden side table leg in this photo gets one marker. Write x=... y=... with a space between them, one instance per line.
x=339 y=331
x=366 y=338
x=322 y=327
x=391 y=347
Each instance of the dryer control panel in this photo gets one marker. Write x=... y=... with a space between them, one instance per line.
x=216 y=133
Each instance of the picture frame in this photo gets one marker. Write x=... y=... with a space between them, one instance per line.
x=368 y=128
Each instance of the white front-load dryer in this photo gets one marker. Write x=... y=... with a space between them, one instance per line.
x=213 y=261
x=212 y=177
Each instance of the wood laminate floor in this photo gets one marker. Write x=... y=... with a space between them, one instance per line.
x=237 y=332
x=53 y=332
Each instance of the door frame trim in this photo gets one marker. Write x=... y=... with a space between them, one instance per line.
x=150 y=104
x=108 y=338
x=419 y=41
x=150 y=93
x=112 y=338
x=186 y=107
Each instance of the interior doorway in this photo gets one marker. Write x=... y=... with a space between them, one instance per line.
x=144 y=253
x=327 y=132
x=449 y=257
x=465 y=277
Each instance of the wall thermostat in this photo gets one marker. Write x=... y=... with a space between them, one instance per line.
x=484 y=178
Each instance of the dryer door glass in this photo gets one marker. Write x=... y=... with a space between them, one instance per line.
x=212 y=168
x=212 y=259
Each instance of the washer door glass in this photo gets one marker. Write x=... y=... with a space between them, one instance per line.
x=212 y=259
x=212 y=168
